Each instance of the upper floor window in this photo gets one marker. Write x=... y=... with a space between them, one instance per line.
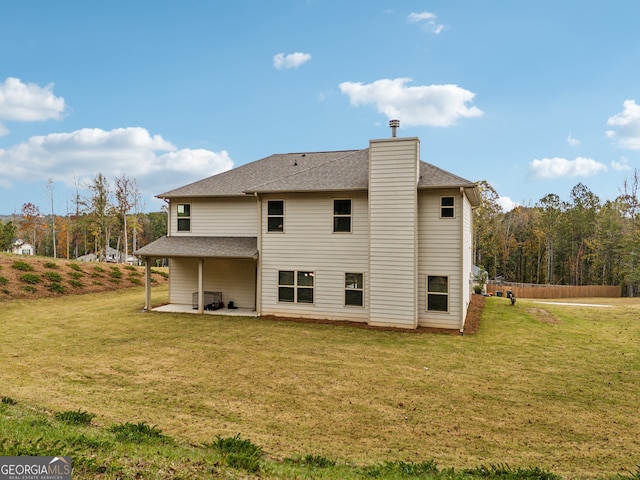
x=354 y=289
x=295 y=286
x=184 y=217
x=342 y=216
x=438 y=293
x=275 y=216
x=447 y=207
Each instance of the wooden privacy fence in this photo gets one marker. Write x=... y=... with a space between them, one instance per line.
x=530 y=290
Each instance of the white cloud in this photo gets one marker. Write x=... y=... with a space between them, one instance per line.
x=428 y=22
x=27 y=102
x=507 y=204
x=561 y=167
x=293 y=60
x=573 y=142
x=626 y=131
x=622 y=165
x=156 y=163
x=428 y=105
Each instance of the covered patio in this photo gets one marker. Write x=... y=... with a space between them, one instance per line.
x=190 y=282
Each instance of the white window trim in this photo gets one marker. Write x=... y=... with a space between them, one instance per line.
x=453 y=207
x=178 y=218
x=447 y=294
x=346 y=289
x=284 y=211
x=295 y=287
x=334 y=216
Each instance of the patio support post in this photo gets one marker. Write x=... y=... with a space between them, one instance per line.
x=147 y=284
x=200 y=286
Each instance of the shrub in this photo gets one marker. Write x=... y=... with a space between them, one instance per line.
x=31 y=278
x=50 y=265
x=238 y=453
x=8 y=401
x=115 y=272
x=56 y=287
x=76 y=275
x=6 y=291
x=130 y=267
x=53 y=276
x=137 y=432
x=22 y=265
x=75 y=283
x=162 y=273
x=74 y=266
x=98 y=269
x=74 y=417
x=3 y=280
x=135 y=280
x=30 y=289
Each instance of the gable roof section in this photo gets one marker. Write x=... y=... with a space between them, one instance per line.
x=347 y=172
x=206 y=247
x=245 y=177
x=344 y=170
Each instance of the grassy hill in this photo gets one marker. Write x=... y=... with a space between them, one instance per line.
x=23 y=276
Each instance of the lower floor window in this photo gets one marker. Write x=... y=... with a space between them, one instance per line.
x=438 y=293
x=354 y=289
x=295 y=286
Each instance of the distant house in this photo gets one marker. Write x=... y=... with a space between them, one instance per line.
x=21 y=247
x=373 y=235
x=111 y=255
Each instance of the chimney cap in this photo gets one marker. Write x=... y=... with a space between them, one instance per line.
x=394 y=124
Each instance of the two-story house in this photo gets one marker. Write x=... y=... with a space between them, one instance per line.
x=372 y=235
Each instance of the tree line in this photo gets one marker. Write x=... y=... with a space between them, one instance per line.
x=109 y=216
x=582 y=241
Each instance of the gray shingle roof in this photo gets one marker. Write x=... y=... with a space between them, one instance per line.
x=183 y=246
x=306 y=172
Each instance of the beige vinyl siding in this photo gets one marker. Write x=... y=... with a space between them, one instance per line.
x=235 y=278
x=440 y=253
x=309 y=244
x=220 y=217
x=467 y=259
x=393 y=176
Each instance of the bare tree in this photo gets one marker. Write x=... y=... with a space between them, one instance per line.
x=127 y=195
x=53 y=216
x=99 y=207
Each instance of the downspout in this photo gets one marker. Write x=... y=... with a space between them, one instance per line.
x=462 y=273
x=168 y=202
x=258 y=292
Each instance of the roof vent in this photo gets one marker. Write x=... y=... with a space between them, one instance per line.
x=394 y=124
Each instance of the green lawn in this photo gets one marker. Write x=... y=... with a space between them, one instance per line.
x=547 y=386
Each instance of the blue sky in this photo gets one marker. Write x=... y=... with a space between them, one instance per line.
x=533 y=97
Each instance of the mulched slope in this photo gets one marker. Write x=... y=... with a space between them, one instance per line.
x=68 y=276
